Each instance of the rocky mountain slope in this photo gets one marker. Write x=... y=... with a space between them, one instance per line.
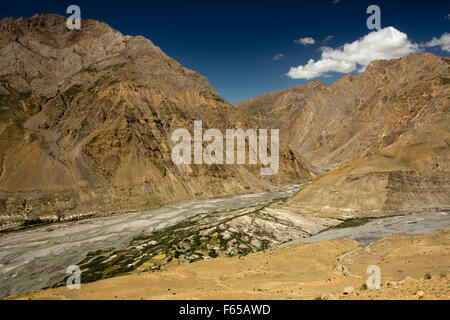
x=384 y=134
x=283 y=109
x=85 y=123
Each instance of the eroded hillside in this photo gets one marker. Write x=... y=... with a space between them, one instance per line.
x=384 y=135
x=85 y=124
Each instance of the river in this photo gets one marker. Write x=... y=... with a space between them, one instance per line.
x=37 y=258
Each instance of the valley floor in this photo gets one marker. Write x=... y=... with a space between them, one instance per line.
x=412 y=267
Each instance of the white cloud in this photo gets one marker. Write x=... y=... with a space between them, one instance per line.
x=316 y=69
x=305 y=41
x=336 y=1
x=443 y=42
x=384 y=44
x=328 y=39
x=278 y=56
x=448 y=17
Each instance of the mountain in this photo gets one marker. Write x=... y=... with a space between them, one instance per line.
x=86 y=118
x=282 y=109
x=382 y=135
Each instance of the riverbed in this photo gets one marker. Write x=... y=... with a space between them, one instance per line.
x=38 y=258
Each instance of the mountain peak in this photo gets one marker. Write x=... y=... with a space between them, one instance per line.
x=86 y=124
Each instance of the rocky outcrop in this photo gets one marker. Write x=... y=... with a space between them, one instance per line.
x=85 y=124
x=411 y=175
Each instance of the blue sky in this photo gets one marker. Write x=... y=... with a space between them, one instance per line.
x=233 y=43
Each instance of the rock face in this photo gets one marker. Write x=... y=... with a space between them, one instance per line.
x=283 y=109
x=384 y=135
x=86 y=118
